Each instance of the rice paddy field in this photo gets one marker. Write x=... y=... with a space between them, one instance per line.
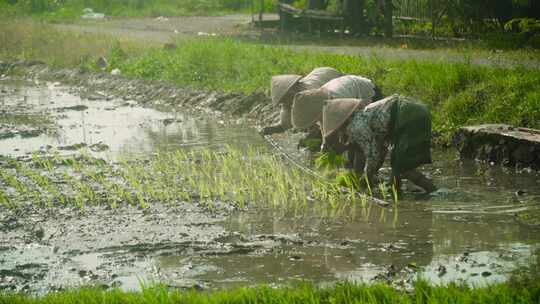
x=106 y=199
x=106 y=193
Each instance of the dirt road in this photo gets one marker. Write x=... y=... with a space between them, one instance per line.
x=163 y=30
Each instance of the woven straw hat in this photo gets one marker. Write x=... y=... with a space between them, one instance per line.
x=337 y=111
x=307 y=107
x=281 y=85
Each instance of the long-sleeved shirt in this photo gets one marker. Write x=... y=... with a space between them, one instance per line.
x=350 y=86
x=370 y=129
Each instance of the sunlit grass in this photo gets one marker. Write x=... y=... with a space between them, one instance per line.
x=521 y=291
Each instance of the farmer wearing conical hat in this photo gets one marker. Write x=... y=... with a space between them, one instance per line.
x=307 y=105
x=396 y=121
x=284 y=87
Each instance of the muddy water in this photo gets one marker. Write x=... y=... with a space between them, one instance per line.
x=469 y=231
x=109 y=126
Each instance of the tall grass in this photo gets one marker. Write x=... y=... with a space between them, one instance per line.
x=522 y=292
x=24 y=39
x=457 y=93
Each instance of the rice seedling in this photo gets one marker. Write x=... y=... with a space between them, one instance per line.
x=245 y=178
x=368 y=185
x=5 y=201
x=47 y=164
x=382 y=216
x=76 y=165
x=12 y=181
x=50 y=191
x=79 y=200
x=383 y=190
x=395 y=193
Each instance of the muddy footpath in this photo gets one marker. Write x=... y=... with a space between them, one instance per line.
x=472 y=231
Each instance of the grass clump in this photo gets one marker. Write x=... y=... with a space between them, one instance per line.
x=26 y=119
x=521 y=292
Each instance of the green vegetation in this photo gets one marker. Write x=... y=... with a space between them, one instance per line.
x=25 y=119
x=72 y=9
x=241 y=178
x=522 y=291
x=25 y=39
x=457 y=93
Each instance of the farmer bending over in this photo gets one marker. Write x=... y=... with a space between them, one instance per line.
x=397 y=121
x=284 y=87
x=307 y=106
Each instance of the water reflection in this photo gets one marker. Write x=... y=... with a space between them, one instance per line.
x=469 y=234
x=118 y=124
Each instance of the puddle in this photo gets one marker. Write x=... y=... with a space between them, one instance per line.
x=111 y=126
x=468 y=232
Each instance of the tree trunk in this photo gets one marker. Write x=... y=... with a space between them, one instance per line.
x=388 y=13
x=433 y=18
x=261 y=10
x=353 y=11
x=317 y=4
x=534 y=11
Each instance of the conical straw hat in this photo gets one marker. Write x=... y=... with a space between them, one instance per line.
x=319 y=76
x=281 y=85
x=307 y=107
x=337 y=111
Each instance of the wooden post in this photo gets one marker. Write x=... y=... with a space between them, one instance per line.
x=388 y=13
x=252 y=10
x=353 y=13
x=433 y=18
x=261 y=11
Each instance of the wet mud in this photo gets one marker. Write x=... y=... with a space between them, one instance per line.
x=479 y=228
x=157 y=94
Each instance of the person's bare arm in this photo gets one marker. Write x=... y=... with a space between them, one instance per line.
x=284 y=122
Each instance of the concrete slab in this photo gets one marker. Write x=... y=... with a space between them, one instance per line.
x=499 y=143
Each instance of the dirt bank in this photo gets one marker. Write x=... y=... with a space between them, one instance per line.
x=255 y=106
